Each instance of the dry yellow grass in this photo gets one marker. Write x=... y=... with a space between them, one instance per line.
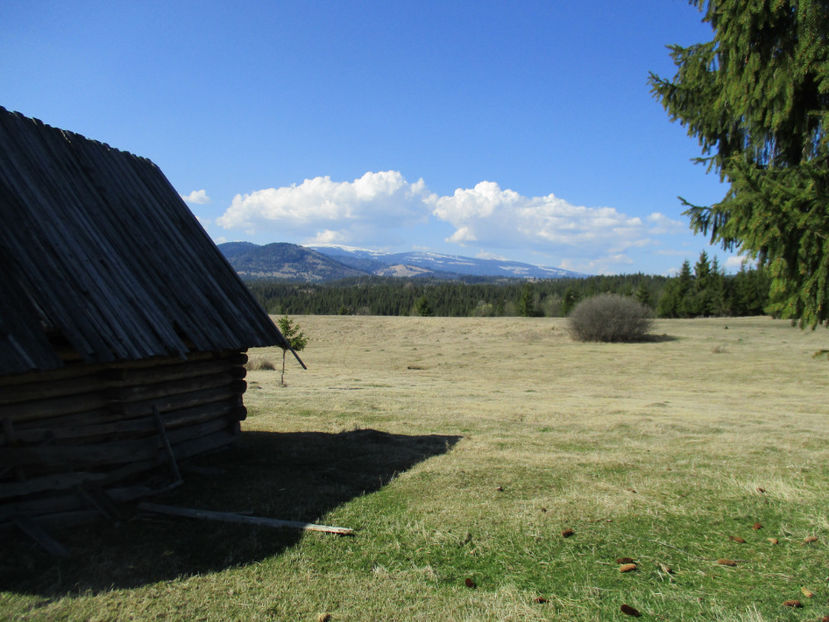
x=492 y=380
x=661 y=451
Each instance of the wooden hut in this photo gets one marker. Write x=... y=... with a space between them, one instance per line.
x=123 y=329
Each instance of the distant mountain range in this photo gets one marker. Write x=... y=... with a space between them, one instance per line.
x=330 y=263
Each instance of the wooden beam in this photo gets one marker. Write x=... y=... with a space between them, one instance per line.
x=98 y=499
x=125 y=494
x=162 y=431
x=37 y=533
x=230 y=517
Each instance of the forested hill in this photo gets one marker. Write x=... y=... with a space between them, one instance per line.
x=284 y=261
x=701 y=291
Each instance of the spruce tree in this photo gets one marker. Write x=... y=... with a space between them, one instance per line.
x=700 y=300
x=685 y=290
x=570 y=299
x=295 y=338
x=423 y=308
x=668 y=305
x=716 y=288
x=643 y=294
x=526 y=303
x=757 y=98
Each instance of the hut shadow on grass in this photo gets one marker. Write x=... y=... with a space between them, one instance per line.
x=294 y=476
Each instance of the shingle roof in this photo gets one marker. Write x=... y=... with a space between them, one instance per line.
x=96 y=245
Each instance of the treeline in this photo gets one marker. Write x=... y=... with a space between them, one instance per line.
x=702 y=291
x=706 y=292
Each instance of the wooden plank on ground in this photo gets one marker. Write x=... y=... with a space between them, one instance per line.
x=230 y=517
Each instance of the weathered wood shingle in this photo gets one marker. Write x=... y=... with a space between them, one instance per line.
x=97 y=247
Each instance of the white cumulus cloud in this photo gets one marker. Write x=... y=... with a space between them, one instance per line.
x=501 y=218
x=734 y=263
x=383 y=209
x=383 y=197
x=659 y=224
x=197 y=197
x=325 y=238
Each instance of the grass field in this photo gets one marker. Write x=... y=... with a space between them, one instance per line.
x=461 y=450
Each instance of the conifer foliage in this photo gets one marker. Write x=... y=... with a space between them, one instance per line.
x=757 y=99
x=744 y=293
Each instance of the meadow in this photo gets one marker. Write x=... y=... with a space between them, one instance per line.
x=492 y=469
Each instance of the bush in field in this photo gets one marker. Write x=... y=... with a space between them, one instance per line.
x=257 y=364
x=610 y=317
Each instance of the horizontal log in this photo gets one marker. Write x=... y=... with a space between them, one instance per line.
x=234 y=357
x=83 y=433
x=57 y=502
x=63 y=508
x=54 y=407
x=202 y=471
x=53 y=375
x=106 y=453
x=136 y=377
x=95 y=402
x=140 y=426
x=119 y=378
x=39 y=391
x=226 y=410
x=62 y=520
x=88 y=417
x=84 y=369
x=64 y=481
x=125 y=494
x=178 y=436
x=204 y=444
x=70 y=457
x=234 y=390
x=134 y=411
x=163 y=389
x=58 y=481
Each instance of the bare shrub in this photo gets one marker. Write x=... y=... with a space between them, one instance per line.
x=610 y=317
x=256 y=364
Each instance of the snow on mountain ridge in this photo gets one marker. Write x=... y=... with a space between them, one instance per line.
x=442 y=262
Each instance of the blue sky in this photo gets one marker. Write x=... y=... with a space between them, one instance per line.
x=523 y=130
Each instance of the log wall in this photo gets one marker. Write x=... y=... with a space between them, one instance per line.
x=72 y=434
